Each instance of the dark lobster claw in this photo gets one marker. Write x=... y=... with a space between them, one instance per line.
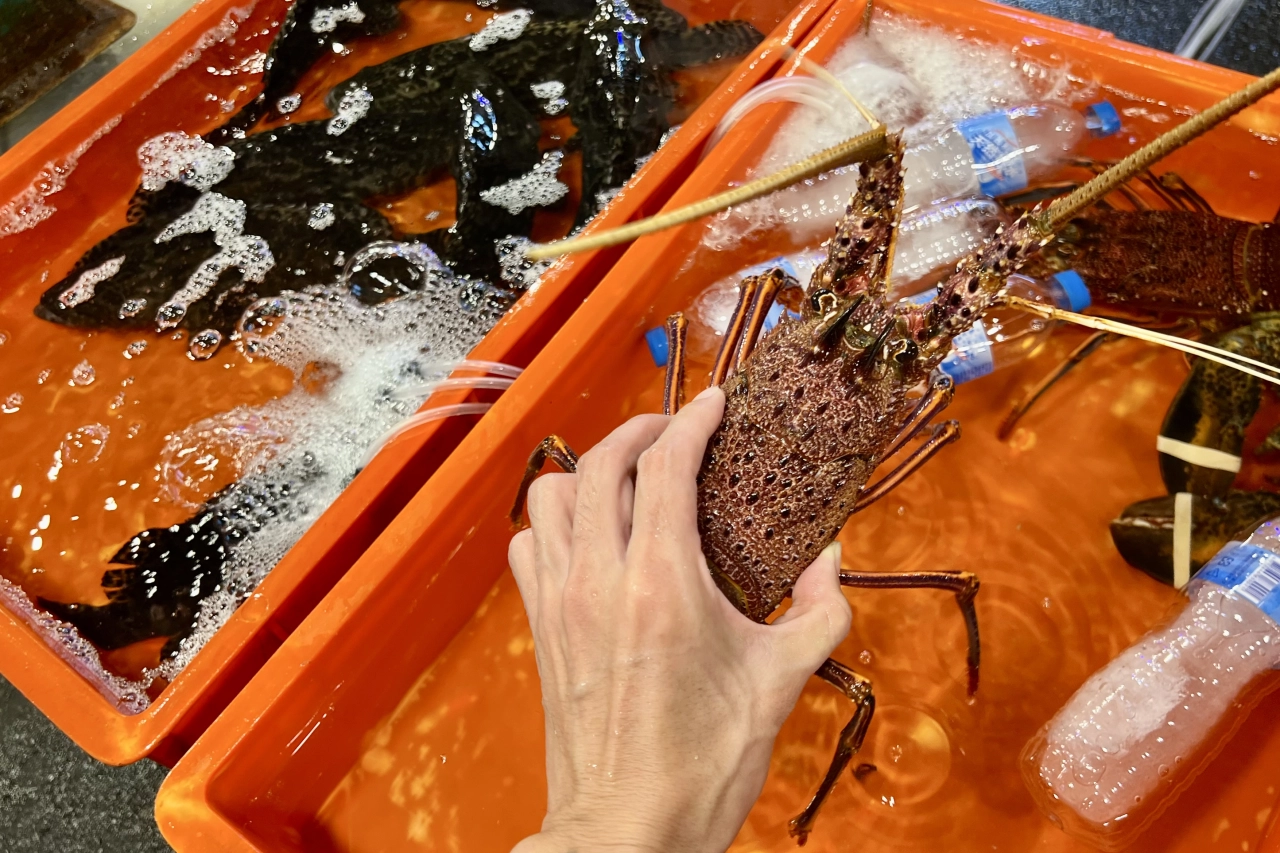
x=1144 y=532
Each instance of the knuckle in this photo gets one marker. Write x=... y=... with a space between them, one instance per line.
x=656 y=461
x=520 y=551
x=839 y=619
x=547 y=490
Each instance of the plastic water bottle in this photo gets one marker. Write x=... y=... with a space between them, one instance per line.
x=1140 y=729
x=989 y=155
x=1005 y=336
x=1002 y=152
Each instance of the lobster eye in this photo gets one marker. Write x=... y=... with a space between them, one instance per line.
x=823 y=302
x=906 y=352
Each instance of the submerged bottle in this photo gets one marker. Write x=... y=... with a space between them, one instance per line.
x=1002 y=152
x=1140 y=729
x=1005 y=336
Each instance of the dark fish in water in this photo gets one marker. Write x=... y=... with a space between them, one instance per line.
x=168 y=571
x=289 y=206
x=310 y=29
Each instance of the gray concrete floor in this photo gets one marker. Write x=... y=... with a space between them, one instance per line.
x=55 y=798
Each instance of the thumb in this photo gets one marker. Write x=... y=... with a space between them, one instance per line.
x=819 y=616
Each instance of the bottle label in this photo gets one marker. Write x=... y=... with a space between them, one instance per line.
x=1250 y=572
x=997 y=154
x=970 y=356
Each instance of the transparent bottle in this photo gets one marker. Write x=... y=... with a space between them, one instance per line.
x=1136 y=734
x=1005 y=336
x=1002 y=152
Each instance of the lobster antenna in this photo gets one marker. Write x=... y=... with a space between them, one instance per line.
x=1216 y=354
x=864 y=146
x=1065 y=208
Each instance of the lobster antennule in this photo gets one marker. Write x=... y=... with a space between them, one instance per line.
x=860 y=255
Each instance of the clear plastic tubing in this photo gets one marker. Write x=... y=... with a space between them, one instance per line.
x=800 y=90
x=1141 y=728
x=1005 y=336
x=492 y=383
x=423 y=417
x=991 y=155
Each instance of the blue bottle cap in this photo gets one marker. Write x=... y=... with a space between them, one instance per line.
x=656 y=338
x=1103 y=118
x=1073 y=287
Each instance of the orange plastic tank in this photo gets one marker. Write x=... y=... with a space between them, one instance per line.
x=80 y=168
x=404 y=713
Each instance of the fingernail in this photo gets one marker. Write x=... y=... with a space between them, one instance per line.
x=832 y=553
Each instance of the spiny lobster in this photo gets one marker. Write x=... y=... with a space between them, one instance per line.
x=1178 y=263
x=823 y=400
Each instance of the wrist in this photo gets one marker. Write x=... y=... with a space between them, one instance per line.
x=556 y=842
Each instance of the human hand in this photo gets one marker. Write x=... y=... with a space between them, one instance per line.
x=662 y=701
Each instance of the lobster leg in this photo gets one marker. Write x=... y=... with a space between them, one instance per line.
x=1021 y=407
x=728 y=354
x=552 y=447
x=858 y=689
x=767 y=288
x=943 y=434
x=941 y=389
x=673 y=389
x=1191 y=200
x=963 y=584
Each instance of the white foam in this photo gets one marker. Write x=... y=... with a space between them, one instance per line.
x=223 y=30
x=288 y=103
x=918 y=79
x=354 y=106
x=178 y=156
x=503 y=26
x=212 y=212
x=355 y=368
x=248 y=253
x=517 y=270
x=87 y=283
x=31 y=206
x=538 y=188
x=321 y=216
x=127 y=696
x=551 y=93
x=326 y=20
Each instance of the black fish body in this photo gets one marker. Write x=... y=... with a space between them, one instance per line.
x=444 y=109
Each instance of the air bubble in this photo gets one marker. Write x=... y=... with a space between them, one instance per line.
x=204 y=344
x=83 y=374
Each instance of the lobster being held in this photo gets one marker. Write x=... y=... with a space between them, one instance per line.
x=823 y=400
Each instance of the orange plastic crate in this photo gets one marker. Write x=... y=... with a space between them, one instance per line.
x=142 y=98
x=405 y=711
